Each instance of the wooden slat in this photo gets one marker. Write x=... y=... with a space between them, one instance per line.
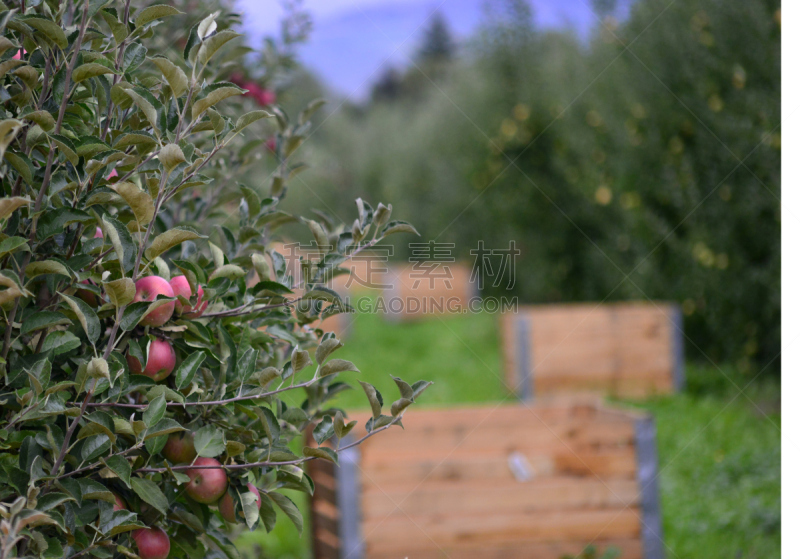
x=605 y=465
x=325 y=523
x=403 y=533
x=505 y=497
x=628 y=548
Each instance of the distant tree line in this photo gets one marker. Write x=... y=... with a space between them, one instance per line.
x=642 y=162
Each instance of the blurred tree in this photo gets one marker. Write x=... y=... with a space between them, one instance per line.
x=644 y=163
x=389 y=86
x=437 y=43
x=604 y=8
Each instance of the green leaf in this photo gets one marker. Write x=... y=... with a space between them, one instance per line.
x=135 y=139
x=398 y=227
x=43 y=267
x=120 y=292
x=164 y=427
x=94 y=447
x=43 y=319
x=300 y=359
x=405 y=389
x=60 y=342
x=145 y=106
x=145 y=16
x=176 y=78
x=49 y=28
x=209 y=442
x=374 y=397
x=337 y=366
x=52 y=500
x=288 y=507
x=250 y=508
x=207 y=26
x=90 y=70
x=66 y=146
x=43 y=118
x=150 y=493
x=10 y=205
x=140 y=201
x=326 y=348
x=267 y=514
x=99 y=422
x=121 y=240
x=253 y=202
x=187 y=369
x=86 y=316
x=231 y=271
x=324 y=430
x=419 y=387
x=212 y=44
x=246 y=364
x=8 y=131
x=169 y=239
x=320 y=237
x=119 y=30
x=322 y=294
x=249 y=118
x=121 y=467
x=322 y=452
x=12 y=244
x=21 y=165
x=272 y=429
x=120 y=521
x=54 y=222
x=171 y=156
x=155 y=411
x=215 y=96
x=400 y=405
x=94 y=490
x=135 y=312
x=340 y=427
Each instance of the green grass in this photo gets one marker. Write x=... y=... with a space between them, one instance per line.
x=719 y=450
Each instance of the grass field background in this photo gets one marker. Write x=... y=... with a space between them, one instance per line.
x=719 y=446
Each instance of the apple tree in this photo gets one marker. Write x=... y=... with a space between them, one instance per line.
x=159 y=367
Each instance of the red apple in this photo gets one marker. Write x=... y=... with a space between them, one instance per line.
x=180 y=448
x=147 y=289
x=206 y=485
x=119 y=503
x=180 y=286
x=153 y=543
x=98 y=233
x=112 y=174
x=160 y=358
x=271 y=143
x=226 y=507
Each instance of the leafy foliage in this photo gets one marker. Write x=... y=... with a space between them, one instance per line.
x=146 y=344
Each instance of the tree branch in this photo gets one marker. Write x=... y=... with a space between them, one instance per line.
x=268 y=463
x=257 y=396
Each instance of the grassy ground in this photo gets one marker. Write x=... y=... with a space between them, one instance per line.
x=719 y=449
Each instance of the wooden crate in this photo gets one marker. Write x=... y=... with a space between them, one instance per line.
x=626 y=350
x=489 y=482
x=415 y=290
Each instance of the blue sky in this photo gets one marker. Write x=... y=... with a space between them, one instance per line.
x=354 y=41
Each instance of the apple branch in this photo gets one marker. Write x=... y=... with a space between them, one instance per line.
x=269 y=464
